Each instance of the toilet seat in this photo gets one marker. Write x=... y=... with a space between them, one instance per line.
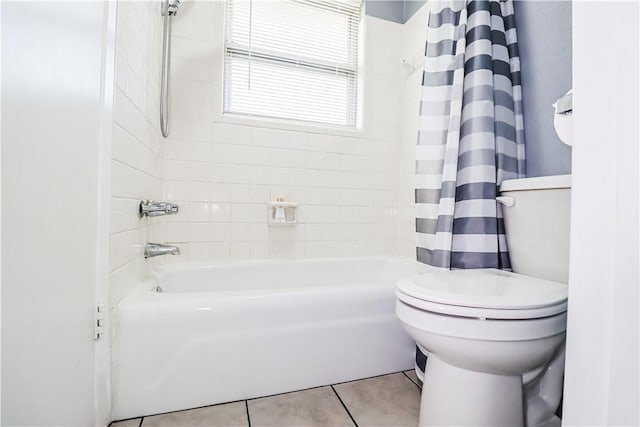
x=484 y=294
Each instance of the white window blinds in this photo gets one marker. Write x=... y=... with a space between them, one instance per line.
x=293 y=59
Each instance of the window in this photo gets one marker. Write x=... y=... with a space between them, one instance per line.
x=293 y=59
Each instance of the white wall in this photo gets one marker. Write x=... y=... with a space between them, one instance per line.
x=102 y=354
x=53 y=81
x=137 y=165
x=602 y=375
x=412 y=46
x=224 y=171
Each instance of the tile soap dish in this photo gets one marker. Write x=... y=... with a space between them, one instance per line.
x=283 y=213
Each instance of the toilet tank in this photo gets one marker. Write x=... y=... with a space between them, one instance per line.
x=537 y=225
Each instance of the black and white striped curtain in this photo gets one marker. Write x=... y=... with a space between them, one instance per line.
x=471 y=133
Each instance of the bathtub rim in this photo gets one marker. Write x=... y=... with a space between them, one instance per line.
x=142 y=292
x=176 y=267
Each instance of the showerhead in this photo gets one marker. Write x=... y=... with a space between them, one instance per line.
x=170 y=7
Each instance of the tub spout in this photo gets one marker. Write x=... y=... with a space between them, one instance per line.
x=156 y=249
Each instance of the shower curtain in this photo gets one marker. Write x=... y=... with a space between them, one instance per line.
x=471 y=134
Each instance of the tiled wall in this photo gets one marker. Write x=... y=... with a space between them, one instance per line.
x=137 y=167
x=224 y=171
x=412 y=47
x=353 y=186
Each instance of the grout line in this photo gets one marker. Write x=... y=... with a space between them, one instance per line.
x=411 y=379
x=134 y=168
x=288 y=392
x=125 y=419
x=344 y=406
x=246 y=405
x=326 y=385
x=184 y=410
x=125 y=264
x=271 y=395
x=368 y=378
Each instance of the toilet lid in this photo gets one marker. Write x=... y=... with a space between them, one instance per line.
x=484 y=293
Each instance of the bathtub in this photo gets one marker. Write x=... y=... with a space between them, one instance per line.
x=205 y=334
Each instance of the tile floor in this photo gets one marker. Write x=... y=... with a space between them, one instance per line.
x=386 y=401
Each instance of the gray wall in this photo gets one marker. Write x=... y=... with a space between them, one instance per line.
x=386 y=9
x=544 y=36
x=393 y=10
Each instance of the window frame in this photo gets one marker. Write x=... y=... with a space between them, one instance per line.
x=354 y=70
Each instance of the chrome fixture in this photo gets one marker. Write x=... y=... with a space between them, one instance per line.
x=151 y=208
x=156 y=249
x=169 y=9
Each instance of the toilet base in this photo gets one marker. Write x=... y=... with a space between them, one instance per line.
x=453 y=396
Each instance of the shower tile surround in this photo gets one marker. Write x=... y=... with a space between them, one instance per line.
x=224 y=171
x=353 y=186
x=387 y=400
x=412 y=48
x=137 y=161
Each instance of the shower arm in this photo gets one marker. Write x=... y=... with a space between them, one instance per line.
x=169 y=9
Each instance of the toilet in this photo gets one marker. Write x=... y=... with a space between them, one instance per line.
x=495 y=339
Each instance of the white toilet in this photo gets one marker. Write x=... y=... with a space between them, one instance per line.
x=496 y=339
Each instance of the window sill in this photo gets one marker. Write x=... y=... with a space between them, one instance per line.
x=288 y=125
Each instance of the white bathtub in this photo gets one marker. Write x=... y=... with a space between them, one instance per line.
x=238 y=330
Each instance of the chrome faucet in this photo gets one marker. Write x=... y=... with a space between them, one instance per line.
x=156 y=249
x=151 y=208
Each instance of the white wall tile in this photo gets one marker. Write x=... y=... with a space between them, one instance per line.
x=220 y=212
x=199 y=252
x=124 y=215
x=240 y=250
x=123 y=279
x=353 y=189
x=197 y=212
x=220 y=232
x=220 y=192
x=125 y=246
x=248 y=213
x=220 y=250
x=259 y=250
x=176 y=231
x=128 y=182
x=313 y=249
x=137 y=168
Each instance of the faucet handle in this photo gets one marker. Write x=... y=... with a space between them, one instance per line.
x=151 y=208
x=171 y=208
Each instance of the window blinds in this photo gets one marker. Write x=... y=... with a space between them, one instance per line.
x=293 y=59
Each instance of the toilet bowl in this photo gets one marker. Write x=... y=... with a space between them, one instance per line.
x=496 y=339
x=484 y=330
